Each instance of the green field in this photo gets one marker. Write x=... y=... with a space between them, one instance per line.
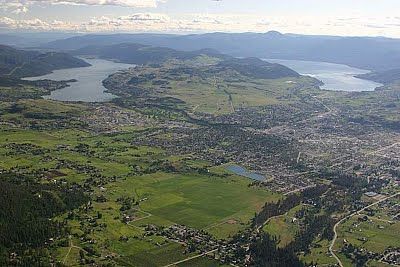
x=222 y=205
x=194 y=200
x=219 y=96
x=379 y=234
x=373 y=232
x=284 y=227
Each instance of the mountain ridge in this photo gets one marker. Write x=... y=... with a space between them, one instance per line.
x=138 y=54
x=23 y=63
x=370 y=53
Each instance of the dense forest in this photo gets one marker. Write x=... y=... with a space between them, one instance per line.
x=266 y=253
x=27 y=209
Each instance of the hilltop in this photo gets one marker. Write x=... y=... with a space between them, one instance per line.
x=20 y=63
x=133 y=53
x=362 y=52
x=142 y=54
x=385 y=77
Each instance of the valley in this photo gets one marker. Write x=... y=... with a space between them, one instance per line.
x=143 y=179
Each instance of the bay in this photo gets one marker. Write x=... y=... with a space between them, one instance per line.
x=336 y=77
x=88 y=87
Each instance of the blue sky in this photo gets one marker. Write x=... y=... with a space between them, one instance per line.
x=335 y=17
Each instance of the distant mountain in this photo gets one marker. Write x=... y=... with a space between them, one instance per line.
x=363 y=52
x=385 y=77
x=21 y=63
x=143 y=54
x=78 y=42
x=257 y=68
x=25 y=40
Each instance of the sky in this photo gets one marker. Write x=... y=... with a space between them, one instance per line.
x=328 y=17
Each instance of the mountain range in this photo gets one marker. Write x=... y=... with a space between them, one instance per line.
x=21 y=63
x=372 y=53
x=143 y=54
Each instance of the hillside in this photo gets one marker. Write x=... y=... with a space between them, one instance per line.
x=133 y=53
x=20 y=63
x=363 y=52
x=141 y=54
x=26 y=39
x=385 y=77
x=149 y=178
x=258 y=68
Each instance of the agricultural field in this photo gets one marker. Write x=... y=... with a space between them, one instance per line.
x=212 y=92
x=219 y=96
x=374 y=230
x=284 y=227
x=220 y=203
x=142 y=180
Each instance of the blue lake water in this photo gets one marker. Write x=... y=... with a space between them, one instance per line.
x=89 y=87
x=336 y=77
x=244 y=172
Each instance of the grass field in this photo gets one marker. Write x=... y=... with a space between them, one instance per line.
x=378 y=234
x=194 y=200
x=375 y=234
x=283 y=226
x=319 y=254
x=220 y=205
x=217 y=96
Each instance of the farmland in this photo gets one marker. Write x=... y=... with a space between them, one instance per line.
x=196 y=200
x=143 y=181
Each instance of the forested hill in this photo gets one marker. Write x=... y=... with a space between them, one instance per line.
x=376 y=54
x=21 y=63
x=385 y=77
x=133 y=53
x=257 y=68
x=141 y=55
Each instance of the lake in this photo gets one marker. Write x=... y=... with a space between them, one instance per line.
x=89 y=87
x=244 y=172
x=336 y=77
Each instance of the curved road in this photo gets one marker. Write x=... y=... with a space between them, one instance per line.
x=349 y=216
x=191 y=258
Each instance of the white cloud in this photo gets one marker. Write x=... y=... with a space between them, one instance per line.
x=6 y=22
x=13 y=6
x=21 y=6
x=37 y=24
x=126 y=3
x=189 y=23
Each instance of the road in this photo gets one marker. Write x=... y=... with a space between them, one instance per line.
x=139 y=219
x=366 y=154
x=17 y=67
x=389 y=254
x=299 y=189
x=382 y=149
x=349 y=216
x=191 y=258
x=71 y=246
x=298 y=157
x=25 y=63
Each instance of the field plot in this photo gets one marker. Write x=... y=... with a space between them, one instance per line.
x=375 y=231
x=319 y=254
x=284 y=227
x=195 y=200
x=221 y=204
